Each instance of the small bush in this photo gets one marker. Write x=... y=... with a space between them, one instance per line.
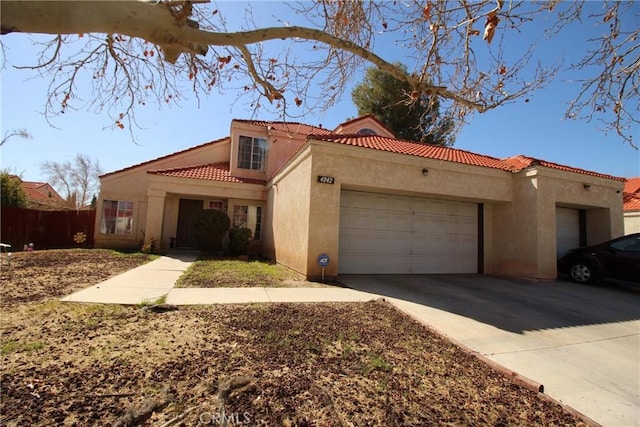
x=209 y=227
x=149 y=247
x=239 y=240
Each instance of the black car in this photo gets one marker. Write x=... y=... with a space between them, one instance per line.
x=616 y=259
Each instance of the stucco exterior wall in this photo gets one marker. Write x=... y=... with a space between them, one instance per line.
x=286 y=226
x=524 y=231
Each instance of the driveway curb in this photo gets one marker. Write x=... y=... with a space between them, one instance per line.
x=525 y=382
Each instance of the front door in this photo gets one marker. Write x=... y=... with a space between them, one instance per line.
x=187 y=211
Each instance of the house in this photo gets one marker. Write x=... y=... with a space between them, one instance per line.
x=370 y=202
x=631 y=198
x=42 y=196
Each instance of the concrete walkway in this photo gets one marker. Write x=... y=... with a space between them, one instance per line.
x=156 y=279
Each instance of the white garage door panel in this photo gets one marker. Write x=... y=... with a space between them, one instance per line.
x=403 y=235
x=567 y=230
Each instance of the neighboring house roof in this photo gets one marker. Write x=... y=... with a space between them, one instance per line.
x=631 y=195
x=209 y=172
x=632 y=185
x=631 y=202
x=291 y=127
x=166 y=156
x=42 y=194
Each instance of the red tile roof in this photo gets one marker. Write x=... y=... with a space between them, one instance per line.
x=41 y=192
x=209 y=172
x=290 y=127
x=632 y=185
x=631 y=195
x=631 y=202
x=167 y=156
x=393 y=145
x=519 y=163
x=512 y=164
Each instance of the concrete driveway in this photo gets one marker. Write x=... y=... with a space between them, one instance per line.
x=581 y=342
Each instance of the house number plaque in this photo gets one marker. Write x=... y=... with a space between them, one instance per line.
x=326 y=179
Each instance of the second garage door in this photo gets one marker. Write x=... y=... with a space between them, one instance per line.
x=386 y=234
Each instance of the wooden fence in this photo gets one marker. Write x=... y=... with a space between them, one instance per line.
x=46 y=229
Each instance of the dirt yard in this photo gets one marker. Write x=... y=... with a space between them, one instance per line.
x=360 y=364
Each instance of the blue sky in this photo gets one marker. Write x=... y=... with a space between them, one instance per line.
x=535 y=128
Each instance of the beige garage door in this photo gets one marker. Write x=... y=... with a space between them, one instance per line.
x=385 y=234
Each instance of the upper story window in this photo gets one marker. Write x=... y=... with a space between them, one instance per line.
x=367 y=131
x=252 y=153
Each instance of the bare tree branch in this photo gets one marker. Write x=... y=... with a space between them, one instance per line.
x=22 y=133
x=136 y=52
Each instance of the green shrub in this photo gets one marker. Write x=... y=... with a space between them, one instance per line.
x=209 y=227
x=239 y=240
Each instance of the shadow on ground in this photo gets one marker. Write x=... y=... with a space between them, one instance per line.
x=509 y=304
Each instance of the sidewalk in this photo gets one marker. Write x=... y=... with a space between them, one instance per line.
x=157 y=278
x=143 y=284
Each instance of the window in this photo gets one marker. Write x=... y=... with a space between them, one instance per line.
x=240 y=216
x=248 y=217
x=218 y=205
x=367 y=131
x=251 y=153
x=256 y=234
x=631 y=244
x=117 y=217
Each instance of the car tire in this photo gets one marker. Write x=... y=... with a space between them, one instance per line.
x=583 y=272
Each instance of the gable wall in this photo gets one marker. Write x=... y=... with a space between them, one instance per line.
x=367 y=122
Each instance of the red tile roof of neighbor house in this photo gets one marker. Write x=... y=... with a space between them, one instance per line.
x=210 y=172
x=512 y=164
x=631 y=202
x=632 y=185
x=41 y=192
x=631 y=195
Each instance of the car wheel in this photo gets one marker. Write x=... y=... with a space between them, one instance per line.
x=583 y=272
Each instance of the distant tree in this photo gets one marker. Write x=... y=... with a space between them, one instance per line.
x=11 y=192
x=78 y=178
x=387 y=98
x=22 y=133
